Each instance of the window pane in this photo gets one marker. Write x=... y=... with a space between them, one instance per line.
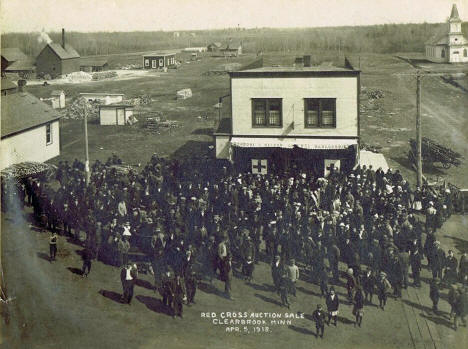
x=274 y=113
x=259 y=113
x=328 y=112
x=312 y=113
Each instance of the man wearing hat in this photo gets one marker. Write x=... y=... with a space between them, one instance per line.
x=332 y=306
x=451 y=264
x=293 y=275
x=319 y=317
x=383 y=285
x=276 y=272
x=128 y=276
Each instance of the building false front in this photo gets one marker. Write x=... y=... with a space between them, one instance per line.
x=305 y=118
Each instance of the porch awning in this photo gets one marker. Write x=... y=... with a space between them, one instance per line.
x=304 y=143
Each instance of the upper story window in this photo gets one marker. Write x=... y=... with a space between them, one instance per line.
x=267 y=112
x=319 y=112
x=48 y=134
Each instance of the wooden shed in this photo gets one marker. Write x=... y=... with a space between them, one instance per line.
x=92 y=64
x=116 y=114
x=58 y=99
x=158 y=60
x=11 y=55
x=56 y=59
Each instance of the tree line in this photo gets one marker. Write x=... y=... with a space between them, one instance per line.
x=386 y=38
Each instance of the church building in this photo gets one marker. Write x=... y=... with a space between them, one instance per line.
x=449 y=46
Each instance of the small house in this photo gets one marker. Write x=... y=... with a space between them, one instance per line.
x=103 y=97
x=24 y=68
x=195 y=49
x=232 y=49
x=214 y=47
x=11 y=55
x=91 y=65
x=57 y=59
x=30 y=130
x=58 y=99
x=116 y=114
x=158 y=60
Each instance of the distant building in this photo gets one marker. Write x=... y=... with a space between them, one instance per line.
x=56 y=60
x=232 y=49
x=116 y=114
x=11 y=55
x=214 y=47
x=92 y=64
x=30 y=130
x=195 y=49
x=158 y=60
x=24 y=68
x=449 y=46
x=285 y=118
x=58 y=99
x=8 y=87
x=103 y=97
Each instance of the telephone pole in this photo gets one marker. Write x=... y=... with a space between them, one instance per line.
x=87 y=174
x=418 y=130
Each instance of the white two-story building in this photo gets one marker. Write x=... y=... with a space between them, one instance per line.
x=285 y=117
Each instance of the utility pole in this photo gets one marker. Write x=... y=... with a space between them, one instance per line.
x=87 y=174
x=418 y=130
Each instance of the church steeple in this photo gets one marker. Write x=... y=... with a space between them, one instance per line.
x=454 y=15
x=454 y=21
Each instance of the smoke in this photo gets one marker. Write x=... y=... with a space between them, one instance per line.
x=43 y=37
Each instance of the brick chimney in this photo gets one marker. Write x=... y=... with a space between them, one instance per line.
x=63 y=38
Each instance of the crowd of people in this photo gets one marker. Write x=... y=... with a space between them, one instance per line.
x=192 y=220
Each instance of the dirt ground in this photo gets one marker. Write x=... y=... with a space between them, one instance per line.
x=53 y=307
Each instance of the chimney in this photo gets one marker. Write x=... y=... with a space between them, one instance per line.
x=307 y=61
x=21 y=84
x=63 y=38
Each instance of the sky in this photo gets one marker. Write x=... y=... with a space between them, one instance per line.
x=172 y=15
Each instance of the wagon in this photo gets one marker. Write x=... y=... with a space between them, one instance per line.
x=433 y=152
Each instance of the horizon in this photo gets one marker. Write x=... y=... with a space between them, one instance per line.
x=141 y=15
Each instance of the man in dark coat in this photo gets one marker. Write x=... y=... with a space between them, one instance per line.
x=451 y=264
x=128 y=276
x=358 y=306
x=415 y=261
x=332 y=306
x=434 y=293
x=179 y=296
x=404 y=260
x=319 y=317
x=368 y=284
x=276 y=271
x=87 y=255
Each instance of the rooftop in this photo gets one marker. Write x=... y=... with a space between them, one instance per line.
x=7 y=84
x=159 y=54
x=21 y=65
x=117 y=104
x=319 y=70
x=93 y=61
x=22 y=111
x=64 y=53
x=101 y=94
x=12 y=54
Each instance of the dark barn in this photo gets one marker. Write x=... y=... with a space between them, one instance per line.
x=56 y=59
x=158 y=60
x=11 y=55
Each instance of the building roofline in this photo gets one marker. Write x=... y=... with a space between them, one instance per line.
x=158 y=54
x=14 y=133
x=294 y=73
